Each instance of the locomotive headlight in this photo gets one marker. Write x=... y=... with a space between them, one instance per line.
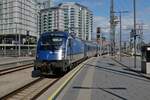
x=60 y=54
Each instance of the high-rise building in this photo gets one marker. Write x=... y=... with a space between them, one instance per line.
x=77 y=19
x=18 y=17
x=51 y=19
x=70 y=17
x=45 y=4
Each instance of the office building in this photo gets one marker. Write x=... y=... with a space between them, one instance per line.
x=17 y=18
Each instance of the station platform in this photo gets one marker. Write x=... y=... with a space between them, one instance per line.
x=102 y=78
x=128 y=61
x=7 y=60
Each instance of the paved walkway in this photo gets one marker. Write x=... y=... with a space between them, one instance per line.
x=104 y=79
x=129 y=62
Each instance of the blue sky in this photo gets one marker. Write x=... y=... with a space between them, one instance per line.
x=101 y=11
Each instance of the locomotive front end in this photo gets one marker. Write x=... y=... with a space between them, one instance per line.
x=50 y=54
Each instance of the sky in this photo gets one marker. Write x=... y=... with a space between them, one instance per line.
x=101 y=9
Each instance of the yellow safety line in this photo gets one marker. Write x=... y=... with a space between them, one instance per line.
x=55 y=94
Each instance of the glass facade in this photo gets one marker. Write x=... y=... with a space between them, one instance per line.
x=18 y=16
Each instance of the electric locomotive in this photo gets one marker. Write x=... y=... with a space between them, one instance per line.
x=57 y=51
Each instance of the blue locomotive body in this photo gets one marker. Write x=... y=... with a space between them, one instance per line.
x=59 y=50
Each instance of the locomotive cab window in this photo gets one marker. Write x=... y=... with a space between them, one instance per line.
x=51 y=42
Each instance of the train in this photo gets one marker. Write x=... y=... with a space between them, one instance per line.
x=58 y=51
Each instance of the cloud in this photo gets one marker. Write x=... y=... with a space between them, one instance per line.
x=147 y=9
x=100 y=21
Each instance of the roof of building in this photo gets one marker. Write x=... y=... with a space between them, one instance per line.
x=74 y=3
x=65 y=3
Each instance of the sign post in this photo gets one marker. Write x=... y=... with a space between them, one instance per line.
x=28 y=35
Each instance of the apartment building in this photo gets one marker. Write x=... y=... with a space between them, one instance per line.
x=51 y=19
x=78 y=19
x=70 y=17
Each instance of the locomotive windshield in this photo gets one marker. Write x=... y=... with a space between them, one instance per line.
x=51 y=42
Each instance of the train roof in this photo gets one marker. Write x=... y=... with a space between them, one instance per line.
x=56 y=33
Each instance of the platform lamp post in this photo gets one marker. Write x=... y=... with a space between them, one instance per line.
x=4 y=37
x=16 y=37
x=19 y=46
x=28 y=35
x=19 y=52
x=5 y=44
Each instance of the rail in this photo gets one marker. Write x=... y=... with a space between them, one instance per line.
x=14 y=69
x=31 y=90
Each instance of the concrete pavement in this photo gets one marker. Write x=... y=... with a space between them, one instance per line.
x=104 y=79
x=128 y=61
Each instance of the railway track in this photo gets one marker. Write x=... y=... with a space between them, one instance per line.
x=32 y=90
x=14 y=69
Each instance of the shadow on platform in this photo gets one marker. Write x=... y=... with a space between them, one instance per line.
x=123 y=73
x=105 y=90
